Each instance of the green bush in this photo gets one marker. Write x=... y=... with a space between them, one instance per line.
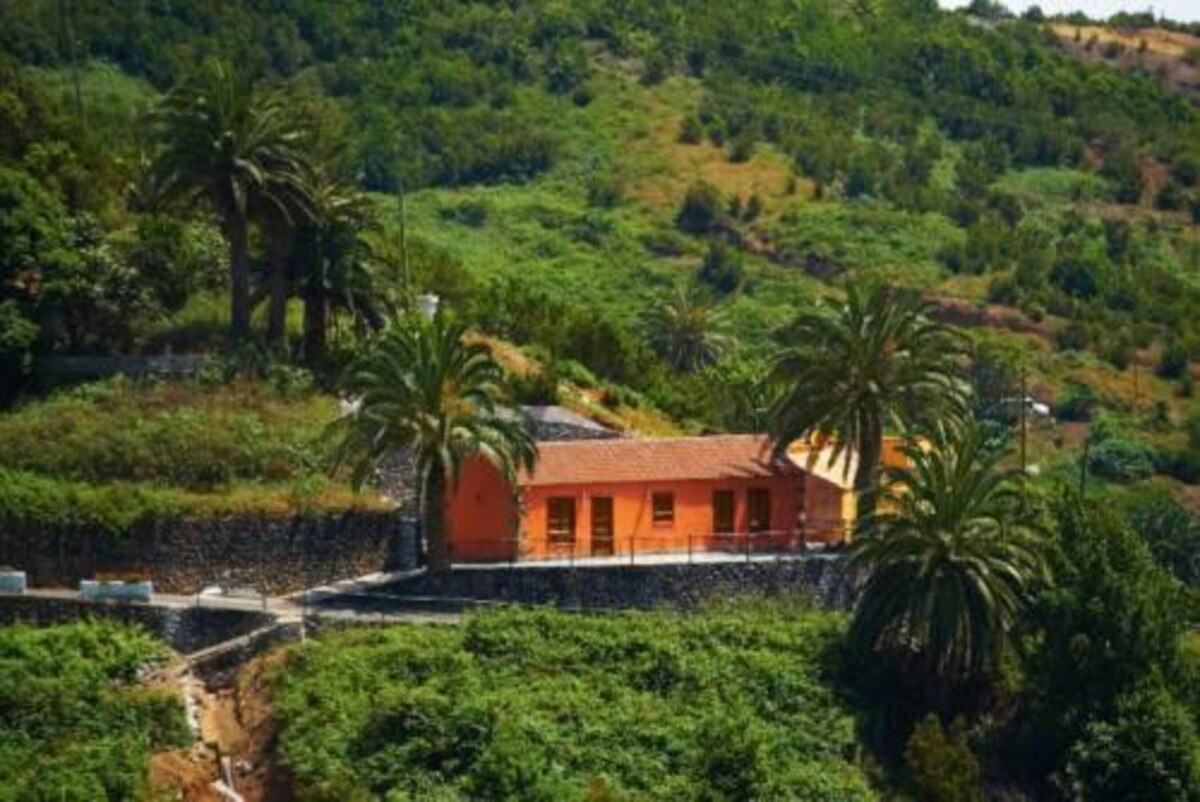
x=578 y=374
x=742 y=148
x=1149 y=751
x=940 y=765
x=1174 y=361
x=28 y=499
x=184 y=434
x=691 y=130
x=1120 y=460
x=539 y=388
x=722 y=268
x=702 y=209
x=469 y=212
x=731 y=703
x=1076 y=402
x=76 y=725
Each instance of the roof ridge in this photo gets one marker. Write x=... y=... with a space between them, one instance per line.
x=662 y=439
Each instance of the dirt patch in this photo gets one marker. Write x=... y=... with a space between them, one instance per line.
x=962 y=312
x=234 y=722
x=242 y=725
x=1189 y=496
x=766 y=174
x=183 y=775
x=1156 y=51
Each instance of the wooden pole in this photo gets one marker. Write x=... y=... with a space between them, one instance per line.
x=1083 y=465
x=66 y=10
x=1024 y=421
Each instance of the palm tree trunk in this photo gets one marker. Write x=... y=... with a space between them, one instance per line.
x=316 y=313
x=434 y=514
x=279 y=253
x=866 y=477
x=239 y=275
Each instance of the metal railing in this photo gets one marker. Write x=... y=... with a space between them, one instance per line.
x=656 y=548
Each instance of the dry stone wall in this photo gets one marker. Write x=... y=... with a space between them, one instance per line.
x=185 y=629
x=683 y=586
x=268 y=554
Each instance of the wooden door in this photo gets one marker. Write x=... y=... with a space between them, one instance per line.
x=602 y=525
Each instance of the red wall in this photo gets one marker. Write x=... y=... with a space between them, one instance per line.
x=486 y=523
x=633 y=524
x=482 y=521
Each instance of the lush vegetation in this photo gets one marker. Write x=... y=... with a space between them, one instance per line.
x=78 y=723
x=642 y=207
x=114 y=453
x=624 y=147
x=734 y=703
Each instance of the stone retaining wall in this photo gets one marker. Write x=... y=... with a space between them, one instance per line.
x=629 y=586
x=268 y=554
x=184 y=629
x=218 y=666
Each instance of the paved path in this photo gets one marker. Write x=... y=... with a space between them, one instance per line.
x=294 y=606
x=357 y=600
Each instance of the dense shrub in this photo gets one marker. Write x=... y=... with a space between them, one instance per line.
x=722 y=268
x=1121 y=460
x=75 y=725
x=538 y=388
x=184 y=434
x=29 y=499
x=940 y=765
x=729 y=704
x=702 y=209
x=1149 y=750
x=1077 y=402
x=1169 y=529
x=691 y=130
x=1113 y=620
x=1174 y=361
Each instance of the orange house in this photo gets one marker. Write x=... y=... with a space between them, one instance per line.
x=608 y=497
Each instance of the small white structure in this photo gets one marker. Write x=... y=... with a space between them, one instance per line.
x=93 y=590
x=12 y=583
x=427 y=304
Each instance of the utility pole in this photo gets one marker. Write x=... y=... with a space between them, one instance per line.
x=65 y=11
x=1195 y=241
x=1024 y=418
x=1137 y=393
x=406 y=278
x=1083 y=466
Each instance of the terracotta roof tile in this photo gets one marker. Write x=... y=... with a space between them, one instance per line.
x=673 y=459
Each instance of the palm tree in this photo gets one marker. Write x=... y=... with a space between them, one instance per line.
x=330 y=258
x=424 y=390
x=683 y=329
x=953 y=560
x=236 y=148
x=876 y=362
x=281 y=222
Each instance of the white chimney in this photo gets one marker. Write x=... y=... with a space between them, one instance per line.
x=428 y=304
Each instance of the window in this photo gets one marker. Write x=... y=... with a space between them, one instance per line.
x=560 y=523
x=663 y=505
x=722 y=501
x=758 y=509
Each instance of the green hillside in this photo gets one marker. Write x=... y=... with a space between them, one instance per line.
x=546 y=151
x=634 y=208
